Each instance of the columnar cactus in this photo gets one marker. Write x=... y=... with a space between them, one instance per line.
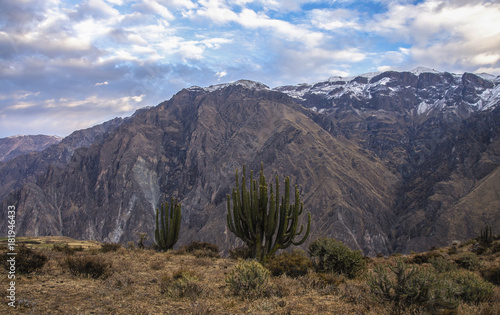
x=261 y=221
x=486 y=237
x=168 y=223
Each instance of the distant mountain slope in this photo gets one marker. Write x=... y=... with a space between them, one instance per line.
x=26 y=168
x=13 y=146
x=393 y=161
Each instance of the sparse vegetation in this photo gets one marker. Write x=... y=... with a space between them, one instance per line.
x=249 y=279
x=26 y=260
x=469 y=261
x=182 y=284
x=149 y=281
x=110 y=247
x=88 y=266
x=294 y=264
x=471 y=288
x=201 y=249
x=404 y=287
x=330 y=255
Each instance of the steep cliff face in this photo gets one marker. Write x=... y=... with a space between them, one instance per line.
x=394 y=161
x=438 y=132
x=17 y=145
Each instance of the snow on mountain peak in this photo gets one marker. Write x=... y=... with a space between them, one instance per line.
x=245 y=83
x=418 y=70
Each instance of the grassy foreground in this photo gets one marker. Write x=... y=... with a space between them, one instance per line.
x=143 y=281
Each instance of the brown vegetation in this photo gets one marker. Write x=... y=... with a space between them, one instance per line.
x=144 y=281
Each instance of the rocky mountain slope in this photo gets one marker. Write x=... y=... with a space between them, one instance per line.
x=11 y=147
x=395 y=161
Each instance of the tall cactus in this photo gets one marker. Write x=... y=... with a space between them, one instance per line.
x=486 y=237
x=168 y=223
x=261 y=221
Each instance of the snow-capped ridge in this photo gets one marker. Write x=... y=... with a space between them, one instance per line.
x=419 y=70
x=249 y=84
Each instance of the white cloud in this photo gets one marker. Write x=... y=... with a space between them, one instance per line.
x=445 y=34
x=335 y=19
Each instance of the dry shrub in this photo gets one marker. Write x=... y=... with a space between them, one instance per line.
x=88 y=266
x=182 y=284
x=201 y=249
x=157 y=265
x=110 y=247
x=66 y=249
x=242 y=252
x=26 y=260
x=294 y=264
x=284 y=286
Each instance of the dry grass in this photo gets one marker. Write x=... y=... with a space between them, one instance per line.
x=134 y=287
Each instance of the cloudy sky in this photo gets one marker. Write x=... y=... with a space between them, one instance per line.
x=67 y=64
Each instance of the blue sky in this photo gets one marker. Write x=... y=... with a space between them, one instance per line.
x=67 y=65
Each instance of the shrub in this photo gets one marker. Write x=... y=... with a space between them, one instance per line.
x=183 y=283
x=110 y=247
x=330 y=255
x=471 y=288
x=249 y=279
x=442 y=265
x=88 y=266
x=453 y=250
x=201 y=249
x=492 y=274
x=294 y=264
x=27 y=260
x=425 y=258
x=65 y=249
x=406 y=287
x=469 y=261
x=242 y=252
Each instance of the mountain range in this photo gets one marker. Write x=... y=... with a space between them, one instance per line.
x=386 y=162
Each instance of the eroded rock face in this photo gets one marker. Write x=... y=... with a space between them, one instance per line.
x=396 y=161
x=17 y=145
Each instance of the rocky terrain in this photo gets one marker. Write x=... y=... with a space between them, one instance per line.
x=387 y=162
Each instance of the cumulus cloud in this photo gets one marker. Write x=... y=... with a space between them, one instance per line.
x=461 y=35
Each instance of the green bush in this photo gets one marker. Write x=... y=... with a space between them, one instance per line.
x=294 y=264
x=110 y=247
x=88 y=266
x=330 y=255
x=442 y=265
x=471 y=288
x=249 y=279
x=406 y=287
x=183 y=283
x=27 y=260
x=469 y=261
